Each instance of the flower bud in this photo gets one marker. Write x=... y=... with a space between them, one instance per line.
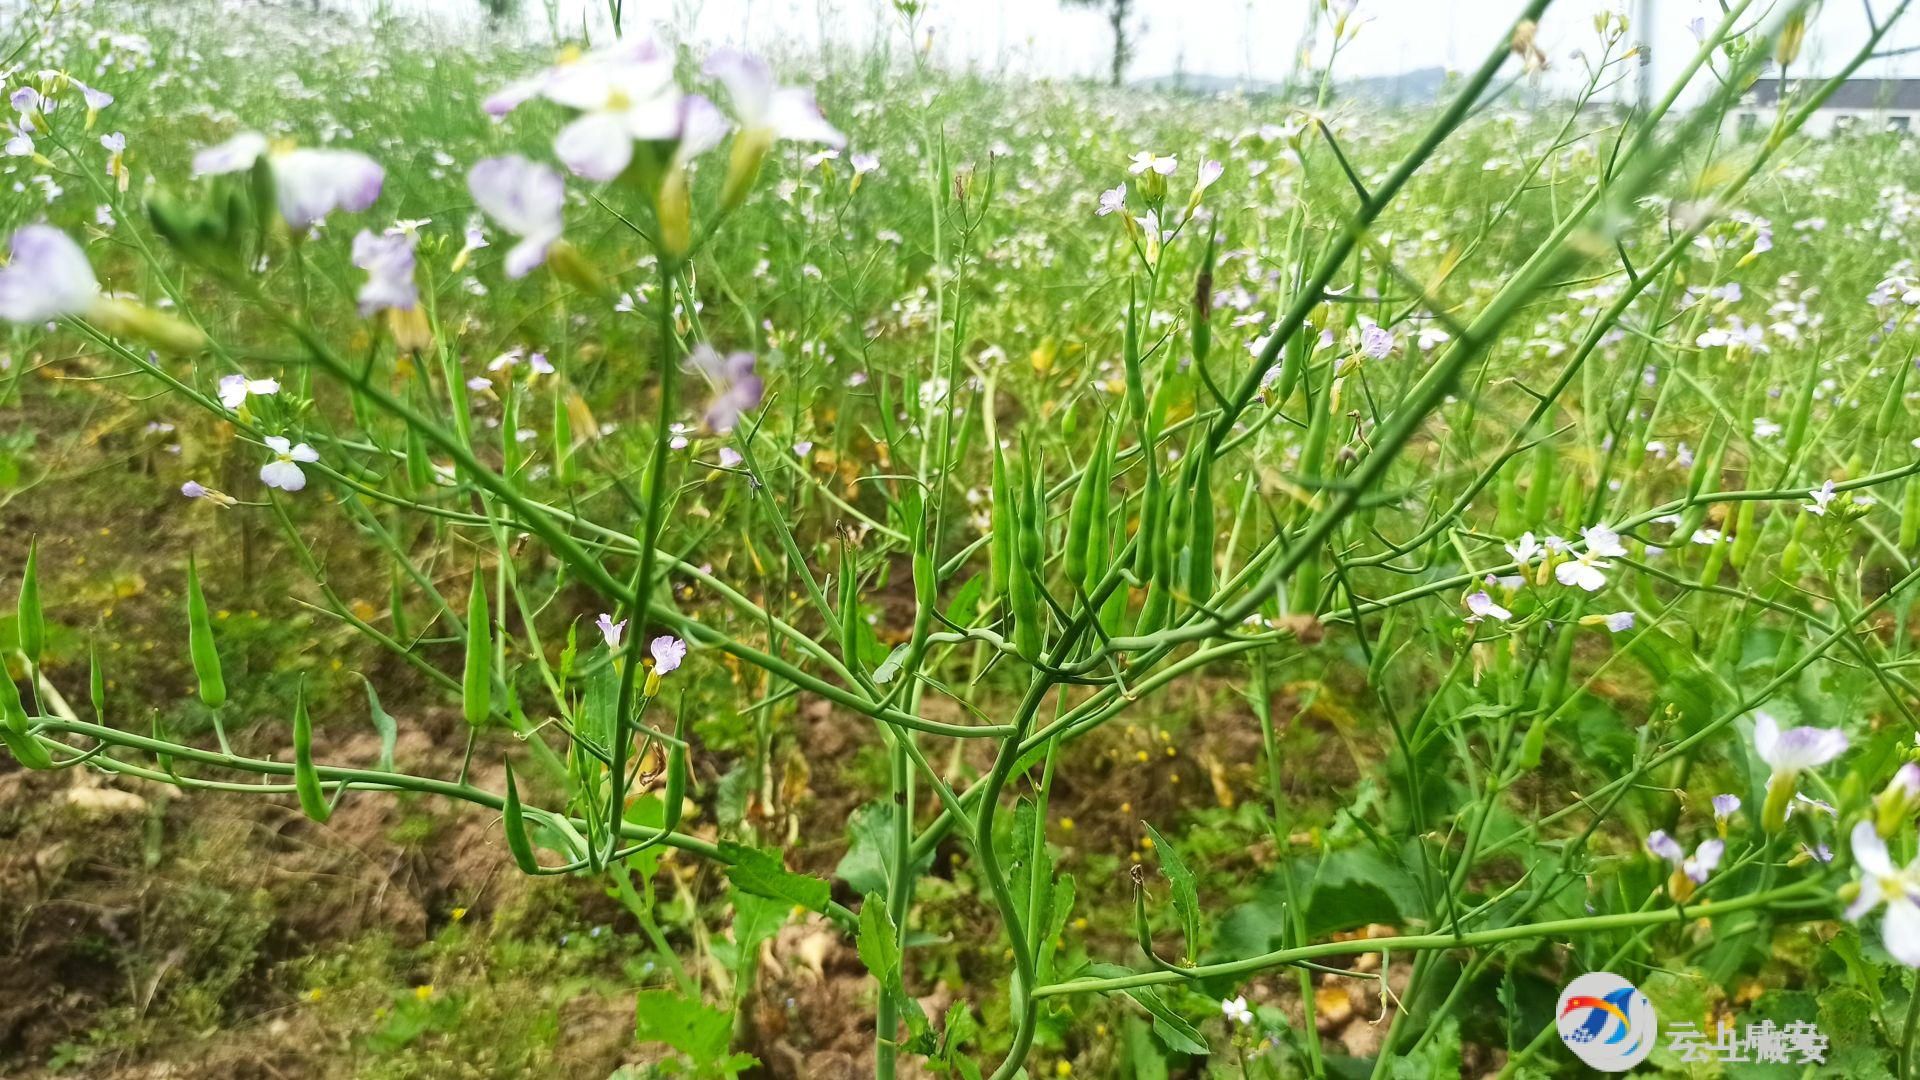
x=124 y=318
x=1893 y=806
x=743 y=168
x=570 y=266
x=674 y=208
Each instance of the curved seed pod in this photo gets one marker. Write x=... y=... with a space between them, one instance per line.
x=513 y=817
x=206 y=658
x=419 y=466
x=33 y=623
x=1541 y=488
x=306 y=781
x=15 y=727
x=476 y=685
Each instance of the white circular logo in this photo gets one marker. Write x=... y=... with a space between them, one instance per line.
x=1606 y=1021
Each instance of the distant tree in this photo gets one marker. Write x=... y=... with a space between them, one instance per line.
x=498 y=10
x=1117 y=13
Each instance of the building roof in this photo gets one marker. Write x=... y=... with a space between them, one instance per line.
x=1852 y=94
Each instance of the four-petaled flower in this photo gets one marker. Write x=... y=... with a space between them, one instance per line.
x=1112 y=200
x=667 y=652
x=1481 y=606
x=283 y=471
x=1694 y=867
x=48 y=277
x=525 y=198
x=1147 y=159
x=1236 y=1011
x=767 y=111
x=308 y=184
x=1787 y=754
x=610 y=630
x=388 y=260
x=737 y=387
x=1898 y=888
x=235 y=388
x=1822 y=495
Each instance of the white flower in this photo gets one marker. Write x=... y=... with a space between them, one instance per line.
x=235 y=388
x=48 y=277
x=1235 y=1010
x=1112 y=200
x=525 y=198
x=1525 y=550
x=1147 y=159
x=610 y=630
x=1603 y=542
x=1696 y=866
x=283 y=472
x=766 y=111
x=308 y=184
x=1584 y=571
x=1881 y=883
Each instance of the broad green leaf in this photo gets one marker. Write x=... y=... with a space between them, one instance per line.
x=688 y=1025
x=761 y=873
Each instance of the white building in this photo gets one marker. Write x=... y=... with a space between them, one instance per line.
x=1858 y=104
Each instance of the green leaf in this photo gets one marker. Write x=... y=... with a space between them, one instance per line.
x=756 y=919
x=688 y=1025
x=879 y=943
x=1174 y=1031
x=1186 y=893
x=868 y=863
x=762 y=874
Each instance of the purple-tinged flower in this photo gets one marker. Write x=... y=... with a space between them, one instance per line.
x=308 y=184
x=1724 y=807
x=1376 y=341
x=1822 y=496
x=1895 y=804
x=864 y=163
x=388 y=260
x=1898 y=888
x=610 y=630
x=48 y=277
x=1481 y=606
x=25 y=100
x=283 y=472
x=525 y=198
x=1788 y=753
x=737 y=388
x=667 y=652
x=194 y=489
x=1112 y=200
x=1693 y=868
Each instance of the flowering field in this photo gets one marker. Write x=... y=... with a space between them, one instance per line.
x=632 y=559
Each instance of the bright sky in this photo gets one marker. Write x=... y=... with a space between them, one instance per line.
x=1231 y=38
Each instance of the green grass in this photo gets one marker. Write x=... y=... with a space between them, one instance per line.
x=1316 y=727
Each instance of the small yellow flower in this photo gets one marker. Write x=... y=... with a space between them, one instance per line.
x=458 y=913
x=423 y=991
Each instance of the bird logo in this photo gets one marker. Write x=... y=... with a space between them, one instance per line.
x=1606 y=1021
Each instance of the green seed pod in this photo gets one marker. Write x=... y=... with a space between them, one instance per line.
x=1540 y=489
x=1745 y=534
x=849 y=606
x=97 y=683
x=513 y=817
x=419 y=466
x=1086 y=496
x=1910 y=515
x=1154 y=611
x=1203 y=304
x=476 y=685
x=1790 y=554
x=33 y=622
x=15 y=727
x=1023 y=585
x=306 y=781
x=1533 y=744
x=1000 y=544
x=1573 y=498
x=1892 y=408
x=1146 y=546
x=562 y=440
x=1200 y=530
x=206 y=658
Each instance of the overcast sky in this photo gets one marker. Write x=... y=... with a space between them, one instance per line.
x=1234 y=38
